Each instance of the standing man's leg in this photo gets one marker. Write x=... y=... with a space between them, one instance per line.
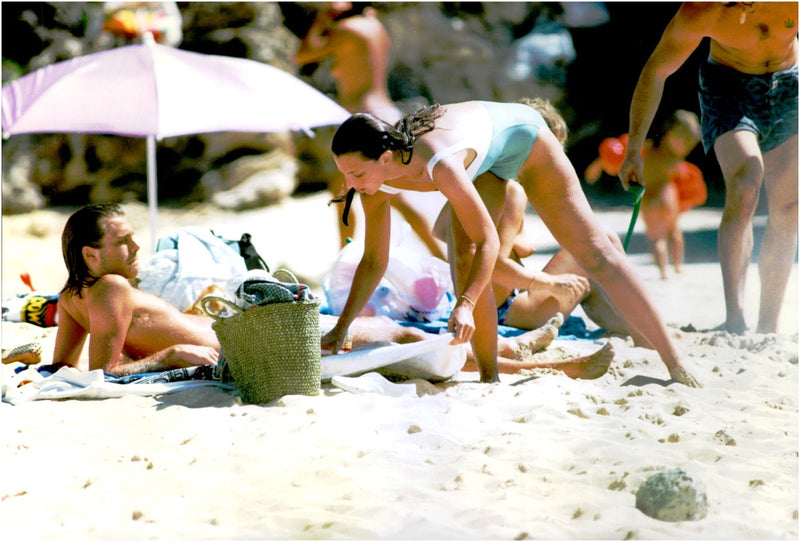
x=779 y=244
x=742 y=167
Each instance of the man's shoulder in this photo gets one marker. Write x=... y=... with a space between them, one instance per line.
x=702 y=8
x=362 y=26
x=112 y=280
x=110 y=285
x=700 y=14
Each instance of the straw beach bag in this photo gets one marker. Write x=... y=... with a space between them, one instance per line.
x=272 y=349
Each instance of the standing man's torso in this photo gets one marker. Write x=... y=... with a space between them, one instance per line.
x=754 y=39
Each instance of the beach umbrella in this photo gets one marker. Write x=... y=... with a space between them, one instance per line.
x=155 y=91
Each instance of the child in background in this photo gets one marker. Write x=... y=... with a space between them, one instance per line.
x=672 y=185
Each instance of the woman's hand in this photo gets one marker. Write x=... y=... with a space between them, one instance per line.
x=334 y=339
x=461 y=322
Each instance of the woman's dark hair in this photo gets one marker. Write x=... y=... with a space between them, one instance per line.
x=367 y=134
x=83 y=229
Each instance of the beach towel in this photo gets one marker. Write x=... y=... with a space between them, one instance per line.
x=70 y=383
x=574 y=328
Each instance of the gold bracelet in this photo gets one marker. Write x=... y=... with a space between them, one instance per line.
x=468 y=300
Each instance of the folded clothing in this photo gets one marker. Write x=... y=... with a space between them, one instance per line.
x=259 y=292
x=259 y=287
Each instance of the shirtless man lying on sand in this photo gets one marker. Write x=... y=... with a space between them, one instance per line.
x=132 y=331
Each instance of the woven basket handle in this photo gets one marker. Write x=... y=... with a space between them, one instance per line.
x=289 y=274
x=228 y=304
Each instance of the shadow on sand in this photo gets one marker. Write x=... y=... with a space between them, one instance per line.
x=641 y=380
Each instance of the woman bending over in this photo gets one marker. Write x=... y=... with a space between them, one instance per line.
x=445 y=148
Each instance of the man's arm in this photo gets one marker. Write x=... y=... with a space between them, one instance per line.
x=174 y=357
x=111 y=307
x=681 y=37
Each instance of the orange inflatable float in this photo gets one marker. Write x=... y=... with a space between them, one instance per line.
x=692 y=189
x=612 y=153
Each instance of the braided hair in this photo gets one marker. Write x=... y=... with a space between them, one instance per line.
x=367 y=134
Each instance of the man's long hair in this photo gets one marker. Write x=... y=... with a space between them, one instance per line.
x=83 y=229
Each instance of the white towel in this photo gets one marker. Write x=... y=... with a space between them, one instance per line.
x=70 y=383
x=431 y=359
x=179 y=275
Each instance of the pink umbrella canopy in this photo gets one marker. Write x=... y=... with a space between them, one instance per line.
x=155 y=91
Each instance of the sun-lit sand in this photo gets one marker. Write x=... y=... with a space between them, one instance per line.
x=538 y=455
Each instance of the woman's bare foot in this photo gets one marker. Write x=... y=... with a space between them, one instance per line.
x=587 y=367
x=531 y=342
x=681 y=375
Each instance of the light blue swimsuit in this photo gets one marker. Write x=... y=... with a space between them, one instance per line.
x=515 y=128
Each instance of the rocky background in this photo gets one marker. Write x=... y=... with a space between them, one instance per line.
x=585 y=57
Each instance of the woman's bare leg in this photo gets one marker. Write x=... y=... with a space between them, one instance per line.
x=595 y=304
x=586 y=367
x=370 y=329
x=553 y=189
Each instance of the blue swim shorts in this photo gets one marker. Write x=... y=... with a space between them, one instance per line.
x=502 y=310
x=764 y=104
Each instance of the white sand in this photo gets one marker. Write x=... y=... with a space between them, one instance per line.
x=530 y=457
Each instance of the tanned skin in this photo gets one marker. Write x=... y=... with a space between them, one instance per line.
x=752 y=38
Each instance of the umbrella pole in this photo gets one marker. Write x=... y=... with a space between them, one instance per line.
x=152 y=193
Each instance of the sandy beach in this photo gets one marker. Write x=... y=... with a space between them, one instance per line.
x=536 y=456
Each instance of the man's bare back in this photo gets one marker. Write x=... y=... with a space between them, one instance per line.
x=358 y=47
x=364 y=44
